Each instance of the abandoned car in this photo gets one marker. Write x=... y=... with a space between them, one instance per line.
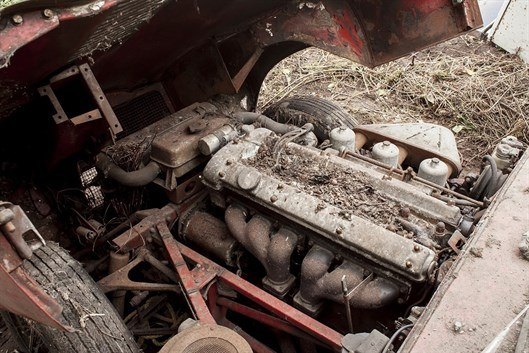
x=146 y=206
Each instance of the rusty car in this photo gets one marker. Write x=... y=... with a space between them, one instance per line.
x=147 y=206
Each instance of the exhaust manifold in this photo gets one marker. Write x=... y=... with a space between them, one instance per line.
x=272 y=250
x=318 y=283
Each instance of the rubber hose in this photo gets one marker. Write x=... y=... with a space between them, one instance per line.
x=248 y=118
x=137 y=178
x=493 y=181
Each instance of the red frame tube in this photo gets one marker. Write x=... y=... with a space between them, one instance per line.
x=291 y=315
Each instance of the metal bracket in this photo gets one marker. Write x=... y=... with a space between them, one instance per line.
x=14 y=226
x=454 y=240
x=104 y=108
x=120 y=280
x=101 y=99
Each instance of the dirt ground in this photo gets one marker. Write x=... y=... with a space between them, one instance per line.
x=466 y=84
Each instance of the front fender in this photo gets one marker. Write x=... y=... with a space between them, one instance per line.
x=19 y=293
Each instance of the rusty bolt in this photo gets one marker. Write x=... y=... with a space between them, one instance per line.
x=6 y=215
x=47 y=13
x=416 y=248
x=273 y=198
x=339 y=230
x=17 y=20
x=222 y=174
x=229 y=161
x=440 y=228
x=409 y=264
x=405 y=212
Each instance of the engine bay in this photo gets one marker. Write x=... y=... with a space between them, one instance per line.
x=148 y=203
x=353 y=225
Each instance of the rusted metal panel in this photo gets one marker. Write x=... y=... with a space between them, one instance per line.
x=142 y=231
x=370 y=32
x=100 y=99
x=490 y=267
x=26 y=29
x=120 y=279
x=21 y=295
x=154 y=43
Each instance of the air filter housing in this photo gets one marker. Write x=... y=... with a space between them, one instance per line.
x=207 y=339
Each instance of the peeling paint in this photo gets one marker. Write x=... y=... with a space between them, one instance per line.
x=269 y=29
x=311 y=5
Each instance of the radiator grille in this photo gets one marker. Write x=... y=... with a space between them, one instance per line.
x=120 y=22
x=141 y=111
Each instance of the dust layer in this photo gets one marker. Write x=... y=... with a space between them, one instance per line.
x=347 y=189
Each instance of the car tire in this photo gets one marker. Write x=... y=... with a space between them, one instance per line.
x=323 y=114
x=98 y=327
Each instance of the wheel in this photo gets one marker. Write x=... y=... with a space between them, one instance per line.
x=98 y=327
x=323 y=114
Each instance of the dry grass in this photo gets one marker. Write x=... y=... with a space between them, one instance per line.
x=479 y=91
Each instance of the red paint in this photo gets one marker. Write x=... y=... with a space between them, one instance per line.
x=191 y=289
x=284 y=311
x=263 y=318
x=349 y=30
x=14 y=37
x=22 y=296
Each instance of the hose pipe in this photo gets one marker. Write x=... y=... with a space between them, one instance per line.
x=137 y=178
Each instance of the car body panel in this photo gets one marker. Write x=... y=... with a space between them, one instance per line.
x=148 y=41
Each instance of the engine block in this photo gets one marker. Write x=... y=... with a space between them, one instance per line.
x=378 y=221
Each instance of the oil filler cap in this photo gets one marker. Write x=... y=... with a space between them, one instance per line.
x=202 y=338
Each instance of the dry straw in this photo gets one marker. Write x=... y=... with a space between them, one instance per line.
x=479 y=91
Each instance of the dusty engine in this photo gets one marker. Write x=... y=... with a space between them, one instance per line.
x=370 y=217
x=369 y=232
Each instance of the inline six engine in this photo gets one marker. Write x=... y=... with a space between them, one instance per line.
x=366 y=227
x=367 y=219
